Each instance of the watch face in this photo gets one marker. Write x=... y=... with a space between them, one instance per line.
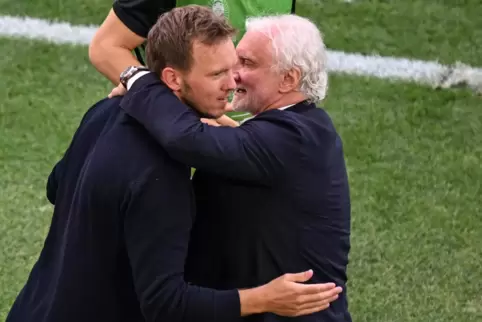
x=126 y=72
x=129 y=72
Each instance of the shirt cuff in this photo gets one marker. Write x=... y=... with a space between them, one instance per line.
x=228 y=306
x=133 y=79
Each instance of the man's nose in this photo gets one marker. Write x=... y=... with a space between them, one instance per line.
x=231 y=82
x=237 y=78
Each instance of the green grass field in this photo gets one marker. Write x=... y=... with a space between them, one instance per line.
x=413 y=153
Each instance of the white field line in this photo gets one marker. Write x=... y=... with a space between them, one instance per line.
x=418 y=71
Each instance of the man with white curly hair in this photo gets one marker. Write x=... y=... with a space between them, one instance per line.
x=288 y=47
x=272 y=194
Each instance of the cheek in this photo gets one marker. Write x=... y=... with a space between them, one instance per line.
x=257 y=81
x=250 y=79
x=210 y=87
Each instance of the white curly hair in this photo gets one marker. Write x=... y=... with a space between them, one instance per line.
x=297 y=42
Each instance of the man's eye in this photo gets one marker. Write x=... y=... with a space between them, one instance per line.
x=245 y=62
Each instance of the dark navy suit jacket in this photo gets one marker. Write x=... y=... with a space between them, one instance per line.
x=117 y=245
x=272 y=194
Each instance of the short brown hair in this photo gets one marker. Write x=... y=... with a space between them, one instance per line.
x=170 y=40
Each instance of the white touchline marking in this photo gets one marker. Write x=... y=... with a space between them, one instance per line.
x=38 y=29
x=404 y=69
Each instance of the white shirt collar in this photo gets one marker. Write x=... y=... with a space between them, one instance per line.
x=285 y=107
x=281 y=108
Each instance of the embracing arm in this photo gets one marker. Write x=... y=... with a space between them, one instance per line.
x=97 y=113
x=243 y=152
x=157 y=226
x=53 y=181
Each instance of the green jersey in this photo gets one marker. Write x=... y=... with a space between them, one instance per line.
x=236 y=11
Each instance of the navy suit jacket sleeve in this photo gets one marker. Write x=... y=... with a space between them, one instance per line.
x=156 y=232
x=56 y=173
x=243 y=152
x=53 y=181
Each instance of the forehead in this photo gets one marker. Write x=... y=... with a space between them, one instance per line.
x=255 y=45
x=213 y=56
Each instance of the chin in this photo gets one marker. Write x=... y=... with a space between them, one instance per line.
x=218 y=115
x=213 y=115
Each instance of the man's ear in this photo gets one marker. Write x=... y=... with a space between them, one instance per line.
x=172 y=78
x=290 y=80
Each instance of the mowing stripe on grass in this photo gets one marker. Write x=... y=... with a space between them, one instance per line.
x=418 y=71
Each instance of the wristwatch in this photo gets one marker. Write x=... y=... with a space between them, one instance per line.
x=129 y=72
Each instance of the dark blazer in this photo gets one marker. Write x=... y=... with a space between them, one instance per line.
x=272 y=194
x=119 y=236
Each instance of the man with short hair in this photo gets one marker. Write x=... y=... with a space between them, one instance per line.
x=123 y=212
x=272 y=195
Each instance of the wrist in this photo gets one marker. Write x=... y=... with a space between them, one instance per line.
x=252 y=301
x=131 y=81
x=130 y=74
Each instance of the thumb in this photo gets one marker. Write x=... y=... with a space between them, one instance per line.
x=299 y=277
